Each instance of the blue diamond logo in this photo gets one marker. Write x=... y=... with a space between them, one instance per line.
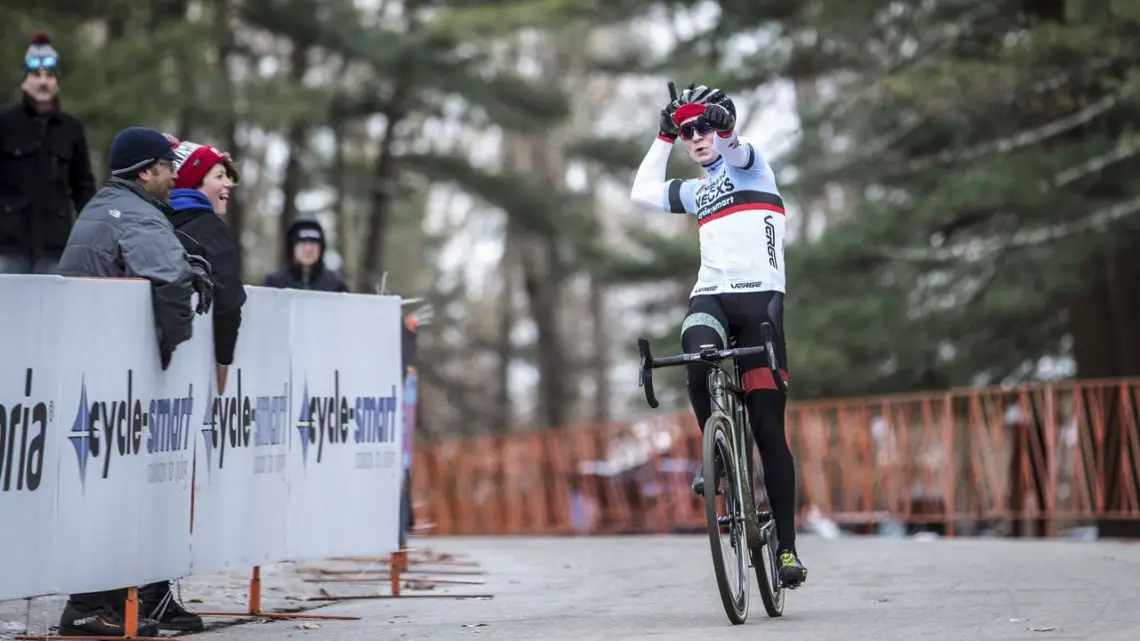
x=305 y=425
x=80 y=434
x=209 y=439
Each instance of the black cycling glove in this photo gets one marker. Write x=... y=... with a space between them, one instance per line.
x=202 y=283
x=666 y=128
x=719 y=118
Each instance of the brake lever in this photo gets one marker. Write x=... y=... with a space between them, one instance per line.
x=645 y=378
x=770 y=352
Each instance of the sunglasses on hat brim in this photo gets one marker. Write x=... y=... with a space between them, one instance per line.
x=689 y=129
x=47 y=62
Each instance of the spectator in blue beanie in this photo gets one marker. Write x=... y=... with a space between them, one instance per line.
x=125 y=232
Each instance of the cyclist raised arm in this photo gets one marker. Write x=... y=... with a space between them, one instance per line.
x=650 y=186
x=741 y=282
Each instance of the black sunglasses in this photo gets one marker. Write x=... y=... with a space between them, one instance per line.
x=697 y=126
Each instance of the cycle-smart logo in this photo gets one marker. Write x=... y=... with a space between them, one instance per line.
x=339 y=421
x=242 y=422
x=24 y=422
x=106 y=430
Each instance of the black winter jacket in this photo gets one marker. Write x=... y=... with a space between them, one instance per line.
x=45 y=178
x=320 y=278
x=204 y=233
x=124 y=232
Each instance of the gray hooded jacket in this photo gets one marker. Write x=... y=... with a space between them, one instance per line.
x=124 y=232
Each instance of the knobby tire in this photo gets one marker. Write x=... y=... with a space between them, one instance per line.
x=763 y=556
x=718 y=459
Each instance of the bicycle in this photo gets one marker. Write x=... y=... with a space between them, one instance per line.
x=728 y=442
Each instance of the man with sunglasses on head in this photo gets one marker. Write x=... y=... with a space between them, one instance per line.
x=740 y=285
x=45 y=170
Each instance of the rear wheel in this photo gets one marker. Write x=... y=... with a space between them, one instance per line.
x=726 y=530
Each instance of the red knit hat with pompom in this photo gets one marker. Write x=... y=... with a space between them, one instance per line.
x=195 y=161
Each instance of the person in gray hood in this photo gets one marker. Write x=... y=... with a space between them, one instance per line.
x=124 y=232
x=304 y=266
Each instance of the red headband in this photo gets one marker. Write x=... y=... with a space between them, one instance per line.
x=684 y=112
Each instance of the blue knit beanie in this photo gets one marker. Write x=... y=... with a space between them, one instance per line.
x=135 y=149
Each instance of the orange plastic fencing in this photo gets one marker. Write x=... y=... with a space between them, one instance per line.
x=962 y=460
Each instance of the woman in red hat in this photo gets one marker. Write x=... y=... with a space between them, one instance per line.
x=202 y=191
x=204 y=182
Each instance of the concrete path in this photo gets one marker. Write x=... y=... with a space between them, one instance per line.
x=663 y=588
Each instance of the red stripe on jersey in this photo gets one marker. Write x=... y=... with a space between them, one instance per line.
x=743 y=207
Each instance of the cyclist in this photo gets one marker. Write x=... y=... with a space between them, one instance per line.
x=740 y=286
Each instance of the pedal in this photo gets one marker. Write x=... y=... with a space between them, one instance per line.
x=792 y=584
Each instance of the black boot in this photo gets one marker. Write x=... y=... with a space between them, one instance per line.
x=96 y=617
x=159 y=604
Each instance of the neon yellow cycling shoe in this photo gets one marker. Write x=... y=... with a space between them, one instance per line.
x=792 y=572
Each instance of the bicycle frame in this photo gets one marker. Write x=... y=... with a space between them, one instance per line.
x=728 y=398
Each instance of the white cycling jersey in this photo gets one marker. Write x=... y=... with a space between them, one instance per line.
x=740 y=215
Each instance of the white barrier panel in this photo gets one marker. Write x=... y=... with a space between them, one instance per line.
x=100 y=449
x=344 y=461
x=29 y=449
x=124 y=492
x=241 y=493
x=178 y=407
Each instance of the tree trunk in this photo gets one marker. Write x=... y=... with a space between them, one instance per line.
x=235 y=213
x=505 y=347
x=601 y=355
x=164 y=12
x=1102 y=320
x=298 y=132
x=167 y=12
x=538 y=256
x=542 y=280
x=340 y=204
x=371 y=270
x=380 y=217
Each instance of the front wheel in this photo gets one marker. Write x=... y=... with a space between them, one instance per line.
x=767 y=565
x=726 y=533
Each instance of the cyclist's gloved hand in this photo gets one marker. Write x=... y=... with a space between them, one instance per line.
x=719 y=118
x=666 y=128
